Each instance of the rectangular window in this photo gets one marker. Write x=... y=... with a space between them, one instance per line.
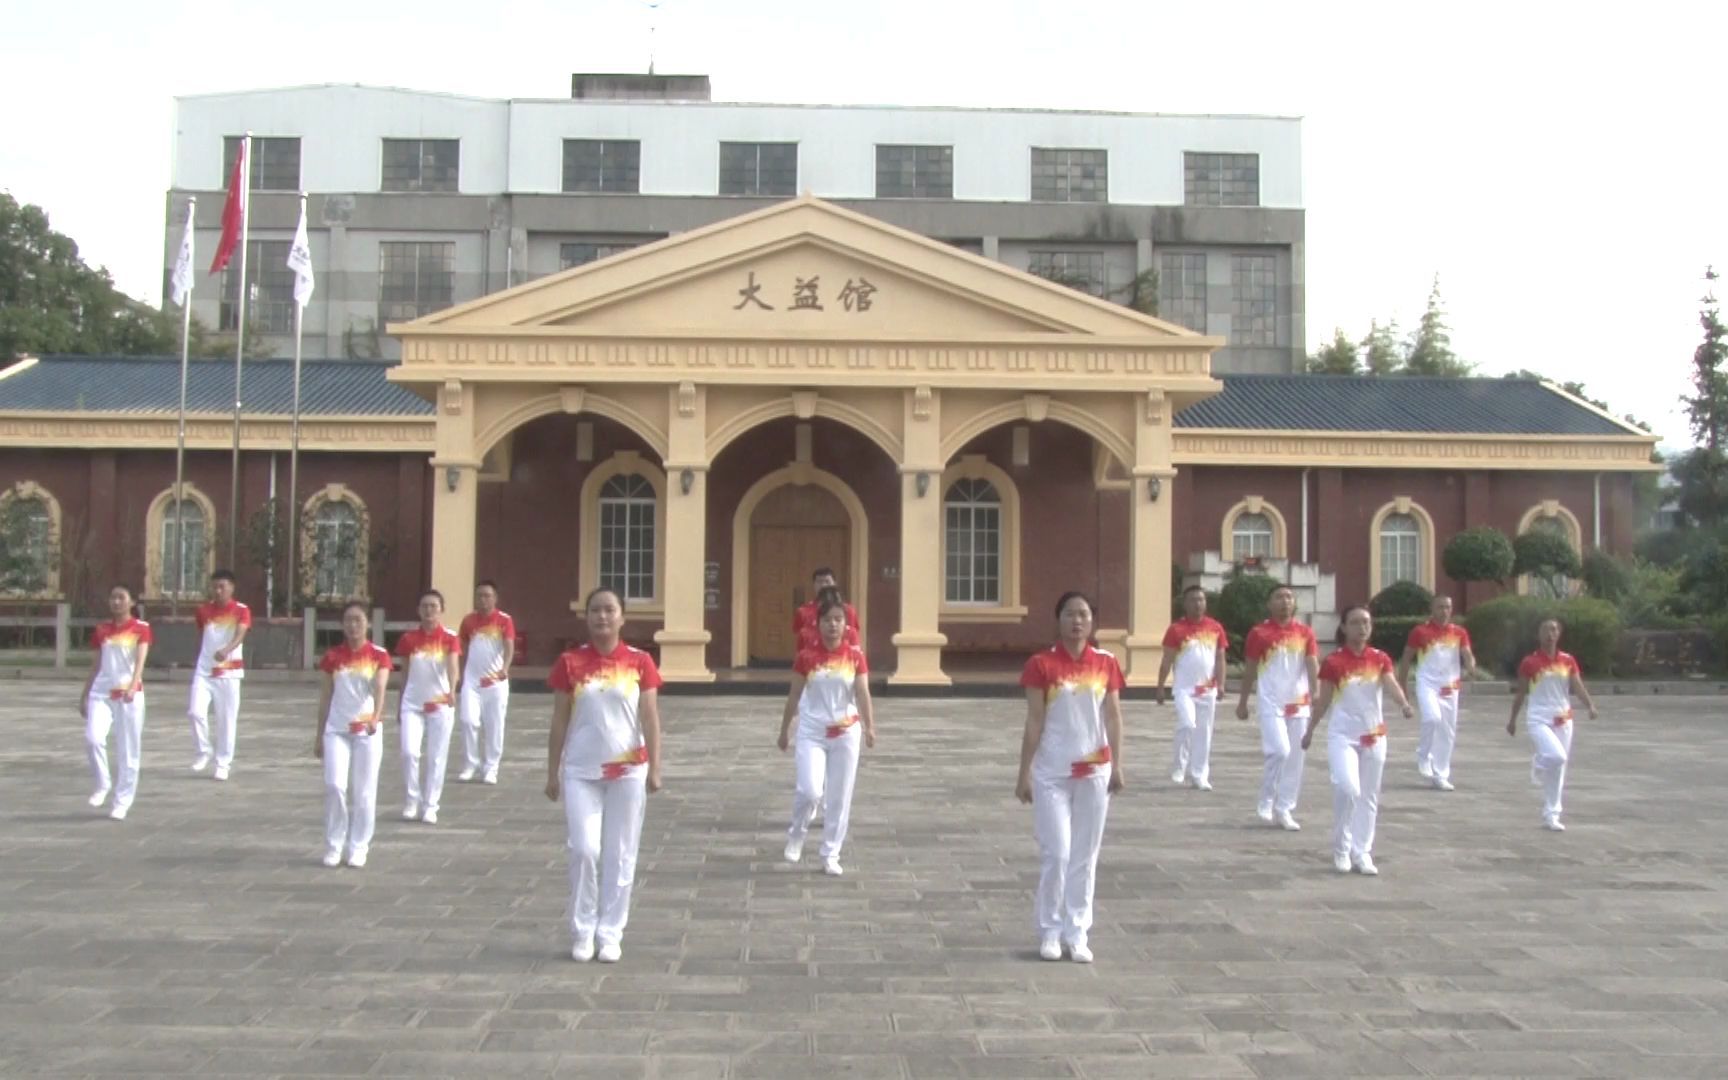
x=191 y=568
x=415 y=278
x=421 y=164
x=758 y=168
x=581 y=253
x=1060 y=175
x=1082 y=270
x=1253 y=300
x=914 y=172
x=974 y=570
x=275 y=162
x=270 y=289
x=1182 y=290
x=603 y=165
x=1398 y=557
x=1220 y=179
x=627 y=547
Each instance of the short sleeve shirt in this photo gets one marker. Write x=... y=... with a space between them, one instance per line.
x=1195 y=644
x=117 y=646
x=1279 y=656
x=1548 y=681
x=605 y=736
x=353 y=674
x=1074 y=744
x=1439 y=652
x=1355 y=680
x=826 y=709
x=483 y=638
x=218 y=625
x=425 y=654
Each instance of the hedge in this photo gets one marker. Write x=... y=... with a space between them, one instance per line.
x=1719 y=633
x=1503 y=631
x=1242 y=605
x=1401 y=598
x=1390 y=633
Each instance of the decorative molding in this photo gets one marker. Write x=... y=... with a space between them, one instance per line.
x=86 y=431
x=1396 y=450
x=453 y=397
x=804 y=404
x=687 y=399
x=1154 y=406
x=572 y=398
x=1037 y=407
x=921 y=402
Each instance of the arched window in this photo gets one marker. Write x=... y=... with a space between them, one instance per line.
x=1251 y=537
x=972 y=512
x=336 y=540
x=1400 y=550
x=627 y=540
x=185 y=547
x=29 y=542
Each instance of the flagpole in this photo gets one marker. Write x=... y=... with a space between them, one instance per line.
x=180 y=438
x=239 y=346
x=294 y=445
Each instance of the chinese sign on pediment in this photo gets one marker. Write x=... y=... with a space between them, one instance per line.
x=855 y=295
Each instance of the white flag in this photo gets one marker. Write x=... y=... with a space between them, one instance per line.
x=300 y=261
x=180 y=285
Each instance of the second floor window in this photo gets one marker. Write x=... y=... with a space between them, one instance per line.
x=421 y=164
x=270 y=295
x=581 y=253
x=1082 y=270
x=1220 y=179
x=415 y=278
x=1254 y=300
x=275 y=162
x=914 y=172
x=758 y=168
x=1182 y=289
x=598 y=165
x=1063 y=175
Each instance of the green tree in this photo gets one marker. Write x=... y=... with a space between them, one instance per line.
x=1336 y=358
x=1380 y=352
x=1707 y=405
x=1480 y=554
x=1430 y=351
x=1701 y=474
x=1548 y=558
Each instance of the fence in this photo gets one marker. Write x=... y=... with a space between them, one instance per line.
x=274 y=638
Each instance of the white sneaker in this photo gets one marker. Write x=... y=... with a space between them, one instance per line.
x=794 y=848
x=582 y=951
x=1202 y=785
x=1424 y=769
x=430 y=817
x=1443 y=784
x=1178 y=776
x=1552 y=823
x=831 y=866
x=1341 y=862
x=609 y=953
x=332 y=859
x=97 y=798
x=201 y=762
x=1287 y=823
x=1365 y=865
x=466 y=774
x=357 y=859
x=118 y=813
x=1079 y=953
x=1265 y=813
x=410 y=812
x=1050 y=948
x=489 y=778
x=221 y=772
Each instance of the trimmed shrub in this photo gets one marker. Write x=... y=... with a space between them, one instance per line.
x=1503 y=631
x=1606 y=577
x=1242 y=605
x=1719 y=635
x=1399 y=599
x=1390 y=633
x=1480 y=554
x=1544 y=554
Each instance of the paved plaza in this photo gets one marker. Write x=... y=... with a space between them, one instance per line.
x=202 y=937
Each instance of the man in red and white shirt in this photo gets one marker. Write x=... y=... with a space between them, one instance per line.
x=804 y=617
x=1194 y=647
x=489 y=640
x=222 y=627
x=1283 y=664
x=1547 y=679
x=1441 y=652
x=113 y=699
x=430 y=653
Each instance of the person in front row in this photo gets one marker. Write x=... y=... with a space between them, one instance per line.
x=350 y=738
x=1547 y=679
x=113 y=699
x=1070 y=764
x=1282 y=664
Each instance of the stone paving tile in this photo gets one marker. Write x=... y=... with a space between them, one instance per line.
x=200 y=937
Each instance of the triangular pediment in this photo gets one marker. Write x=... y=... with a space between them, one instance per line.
x=802 y=269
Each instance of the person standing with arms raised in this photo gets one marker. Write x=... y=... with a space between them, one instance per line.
x=222 y=627
x=1282 y=665
x=489 y=638
x=1441 y=652
x=1195 y=647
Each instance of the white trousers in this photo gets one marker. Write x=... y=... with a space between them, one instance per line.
x=483 y=712
x=825 y=771
x=605 y=828
x=425 y=742
x=1356 y=773
x=1194 y=717
x=1068 y=821
x=1438 y=732
x=1281 y=743
x=351 y=765
x=223 y=697
x=126 y=719
x=1553 y=749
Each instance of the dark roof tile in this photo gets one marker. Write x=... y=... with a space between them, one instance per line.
x=151 y=386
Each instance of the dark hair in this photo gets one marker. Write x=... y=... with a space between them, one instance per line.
x=830 y=592
x=132 y=608
x=829 y=600
x=486 y=583
x=225 y=575
x=616 y=595
x=1559 y=624
x=1344 y=617
x=122 y=585
x=1070 y=595
x=355 y=605
x=434 y=592
x=821 y=571
x=1201 y=589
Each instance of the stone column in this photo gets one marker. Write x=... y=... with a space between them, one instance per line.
x=684 y=637
x=455 y=495
x=919 y=642
x=1150 y=499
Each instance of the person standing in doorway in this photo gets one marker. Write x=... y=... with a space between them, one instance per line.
x=1195 y=647
x=431 y=654
x=1070 y=765
x=349 y=738
x=113 y=699
x=1282 y=664
x=804 y=617
x=603 y=760
x=1440 y=650
x=222 y=627
x=1547 y=679
x=489 y=640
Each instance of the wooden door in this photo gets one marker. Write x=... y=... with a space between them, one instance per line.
x=793 y=531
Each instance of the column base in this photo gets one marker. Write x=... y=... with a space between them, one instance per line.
x=919 y=661
x=1144 y=656
x=684 y=655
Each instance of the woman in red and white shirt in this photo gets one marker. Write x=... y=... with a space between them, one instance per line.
x=1351 y=681
x=1070 y=763
x=113 y=698
x=1547 y=679
x=349 y=738
x=603 y=758
x=829 y=697
x=427 y=707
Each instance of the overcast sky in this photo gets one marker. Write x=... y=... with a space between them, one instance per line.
x=1562 y=173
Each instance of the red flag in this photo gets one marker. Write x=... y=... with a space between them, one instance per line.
x=233 y=216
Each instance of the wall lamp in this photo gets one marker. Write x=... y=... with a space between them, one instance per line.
x=922 y=484
x=1153 y=487
x=686 y=480
x=452 y=478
